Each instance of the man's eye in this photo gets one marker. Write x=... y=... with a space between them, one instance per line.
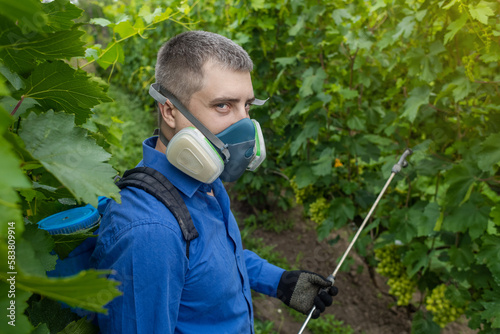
x=222 y=106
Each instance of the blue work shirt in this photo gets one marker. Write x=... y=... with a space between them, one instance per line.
x=163 y=290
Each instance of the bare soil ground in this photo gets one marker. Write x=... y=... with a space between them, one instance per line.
x=363 y=301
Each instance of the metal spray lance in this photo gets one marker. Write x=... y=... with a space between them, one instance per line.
x=395 y=169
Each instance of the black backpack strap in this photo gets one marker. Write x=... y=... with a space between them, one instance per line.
x=157 y=185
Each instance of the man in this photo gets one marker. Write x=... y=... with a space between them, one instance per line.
x=169 y=284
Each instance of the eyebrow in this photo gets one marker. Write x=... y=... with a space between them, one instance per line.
x=222 y=99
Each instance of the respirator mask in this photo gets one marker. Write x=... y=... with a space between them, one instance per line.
x=204 y=156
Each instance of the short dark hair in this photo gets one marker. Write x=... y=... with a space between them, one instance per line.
x=179 y=66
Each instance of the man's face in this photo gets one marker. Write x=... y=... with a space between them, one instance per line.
x=225 y=99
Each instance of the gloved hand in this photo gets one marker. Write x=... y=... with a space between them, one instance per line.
x=299 y=290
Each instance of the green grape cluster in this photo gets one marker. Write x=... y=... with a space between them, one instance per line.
x=469 y=62
x=390 y=264
x=302 y=193
x=487 y=36
x=402 y=288
x=317 y=210
x=441 y=307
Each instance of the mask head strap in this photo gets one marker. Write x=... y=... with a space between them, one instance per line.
x=161 y=95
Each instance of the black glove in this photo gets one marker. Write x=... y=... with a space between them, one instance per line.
x=299 y=290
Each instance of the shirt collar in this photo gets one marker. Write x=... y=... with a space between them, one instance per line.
x=157 y=160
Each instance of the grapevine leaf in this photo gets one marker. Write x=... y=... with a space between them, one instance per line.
x=454 y=27
x=355 y=123
x=358 y=40
x=9 y=103
x=424 y=221
x=293 y=31
x=404 y=27
x=15 y=80
x=461 y=257
x=493 y=55
x=285 y=61
x=462 y=88
x=72 y=157
x=416 y=258
x=323 y=166
x=468 y=217
x=458 y=296
x=41 y=329
x=61 y=14
x=422 y=324
x=341 y=210
x=303 y=106
x=21 y=322
x=489 y=155
x=58 y=86
x=27 y=262
x=88 y=289
x=124 y=29
x=404 y=227
x=27 y=12
x=305 y=177
x=112 y=55
x=311 y=130
x=495 y=215
x=419 y=96
x=378 y=140
x=449 y=5
x=42 y=244
x=481 y=11
x=460 y=179
x=100 y=21
x=145 y=13
x=325 y=228
x=51 y=313
x=81 y=326
x=4 y=91
x=312 y=81
x=11 y=177
x=163 y=16
x=491 y=313
x=339 y=14
x=490 y=254
x=21 y=53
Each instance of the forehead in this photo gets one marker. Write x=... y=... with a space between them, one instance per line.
x=220 y=81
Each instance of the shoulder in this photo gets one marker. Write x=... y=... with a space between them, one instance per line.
x=138 y=212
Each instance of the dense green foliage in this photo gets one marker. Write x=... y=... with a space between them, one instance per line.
x=351 y=85
x=54 y=157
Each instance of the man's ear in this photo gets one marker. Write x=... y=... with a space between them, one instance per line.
x=167 y=113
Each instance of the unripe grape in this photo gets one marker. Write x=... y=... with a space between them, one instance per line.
x=302 y=193
x=442 y=308
x=317 y=210
x=402 y=288
x=390 y=264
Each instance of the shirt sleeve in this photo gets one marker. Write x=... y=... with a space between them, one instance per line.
x=151 y=282
x=264 y=277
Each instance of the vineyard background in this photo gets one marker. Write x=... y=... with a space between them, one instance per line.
x=351 y=85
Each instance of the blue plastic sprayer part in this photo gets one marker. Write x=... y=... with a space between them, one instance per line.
x=71 y=220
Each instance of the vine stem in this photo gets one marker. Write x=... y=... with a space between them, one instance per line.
x=17 y=106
